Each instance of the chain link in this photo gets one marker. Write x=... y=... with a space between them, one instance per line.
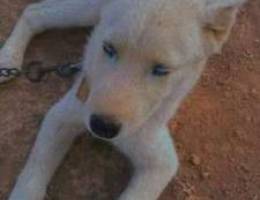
x=36 y=73
x=9 y=72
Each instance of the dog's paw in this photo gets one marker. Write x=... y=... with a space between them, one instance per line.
x=25 y=194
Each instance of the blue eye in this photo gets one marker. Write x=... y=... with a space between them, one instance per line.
x=160 y=70
x=110 y=51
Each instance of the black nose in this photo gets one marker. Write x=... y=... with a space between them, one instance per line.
x=104 y=127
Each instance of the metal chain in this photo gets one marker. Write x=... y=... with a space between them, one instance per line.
x=9 y=72
x=36 y=74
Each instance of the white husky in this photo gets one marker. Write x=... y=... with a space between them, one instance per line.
x=142 y=59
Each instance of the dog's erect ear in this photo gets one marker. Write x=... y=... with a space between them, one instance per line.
x=218 y=21
x=83 y=90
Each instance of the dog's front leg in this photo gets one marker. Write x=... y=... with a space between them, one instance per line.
x=42 y=16
x=58 y=131
x=155 y=163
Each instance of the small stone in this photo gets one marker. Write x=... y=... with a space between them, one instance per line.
x=250 y=67
x=245 y=168
x=248 y=54
x=205 y=175
x=254 y=91
x=195 y=160
x=249 y=118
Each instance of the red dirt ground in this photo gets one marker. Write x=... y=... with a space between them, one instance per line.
x=216 y=129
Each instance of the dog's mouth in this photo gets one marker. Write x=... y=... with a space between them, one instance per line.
x=93 y=135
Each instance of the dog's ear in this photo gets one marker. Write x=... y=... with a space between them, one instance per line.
x=218 y=21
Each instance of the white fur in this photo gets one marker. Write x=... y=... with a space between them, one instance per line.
x=147 y=143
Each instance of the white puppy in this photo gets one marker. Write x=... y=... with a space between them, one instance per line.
x=141 y=61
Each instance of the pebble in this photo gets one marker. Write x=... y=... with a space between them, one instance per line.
x=257 y=41
x=254 y=91
x=205 y=175
x=195 y=160
x=249 y=118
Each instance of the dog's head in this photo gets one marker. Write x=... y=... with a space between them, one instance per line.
x=144 y=57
